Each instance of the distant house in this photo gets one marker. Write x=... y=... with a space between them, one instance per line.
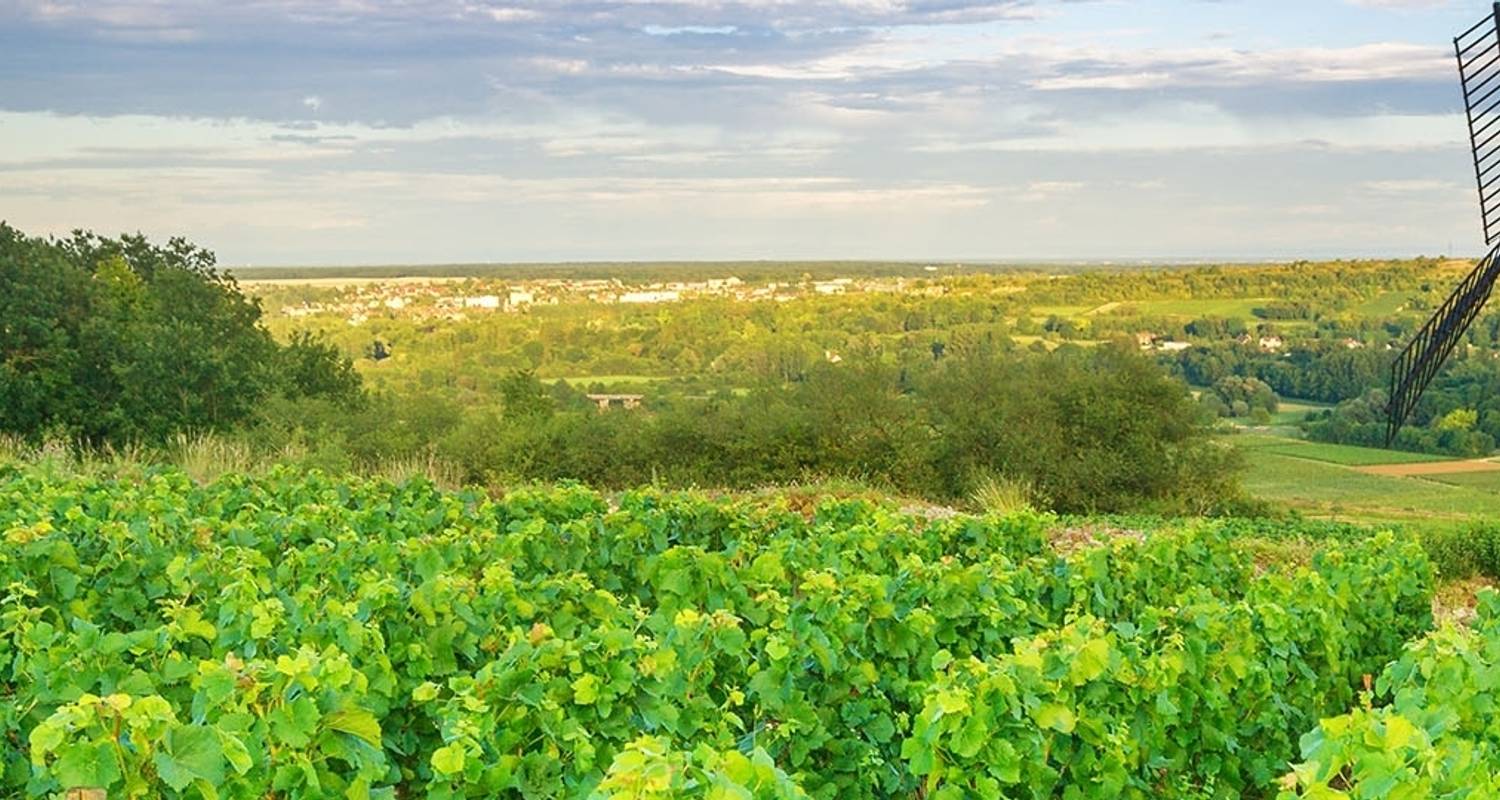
x=625 y=401
x=1353 y=344
x=1173 y=347
x=1271 y=344
x=519 y=298
x=1145 y=339
x=488 y=301
x=832 y=357
x=664 y=296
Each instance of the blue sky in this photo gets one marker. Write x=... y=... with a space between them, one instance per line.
x=407 y=131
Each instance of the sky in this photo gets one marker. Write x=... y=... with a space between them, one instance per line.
x=442 y=131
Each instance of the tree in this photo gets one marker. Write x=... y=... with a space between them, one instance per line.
x=1459 y=419
x=124 y=340
x=524 y=396
x=45 y=302
x=313 y=367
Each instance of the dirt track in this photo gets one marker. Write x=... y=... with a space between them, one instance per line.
x=1432 y=468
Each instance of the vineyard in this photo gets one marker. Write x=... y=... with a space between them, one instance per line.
x=298 y=636
x=1434 y=733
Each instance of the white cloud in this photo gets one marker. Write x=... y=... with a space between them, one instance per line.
x=512 y=14
x=681 y=124
x=1184 y=126
x=1411 y=186
x=1401 y=4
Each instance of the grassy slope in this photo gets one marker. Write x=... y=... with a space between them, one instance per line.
x=1384 y=305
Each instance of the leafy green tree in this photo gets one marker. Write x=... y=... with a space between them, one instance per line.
x=121 y=339
x=524 y=396
x=313 y=367
x=45 y=303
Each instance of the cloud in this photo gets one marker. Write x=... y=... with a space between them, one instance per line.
x=1405 y=186
x=942 y=121
x=1401 y=4
x=1383 y=61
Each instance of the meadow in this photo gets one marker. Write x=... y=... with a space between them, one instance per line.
x=1345 y=455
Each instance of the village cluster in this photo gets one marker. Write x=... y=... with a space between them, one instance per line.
x=449 y=300
x=1270 y=343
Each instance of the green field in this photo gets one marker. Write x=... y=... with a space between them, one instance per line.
x=584 y=380
x=1384 y=305
x=1321 y=488
x=1043 y=312
x=1237 y=307
x=1483 y=481
x=1284 y=425
x=1343 y=454
x=1291 y=412
x=1347 y=455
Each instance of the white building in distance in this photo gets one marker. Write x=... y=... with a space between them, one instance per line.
x=489 y=301
x=651 y=297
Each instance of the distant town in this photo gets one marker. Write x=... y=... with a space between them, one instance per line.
x=446 y=299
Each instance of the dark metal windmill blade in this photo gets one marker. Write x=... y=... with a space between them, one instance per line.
x=1415 y=367
x=1478 y=53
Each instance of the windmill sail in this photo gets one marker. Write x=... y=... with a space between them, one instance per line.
x=1478 y=52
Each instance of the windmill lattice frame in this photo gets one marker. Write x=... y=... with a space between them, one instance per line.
x=1478 y=52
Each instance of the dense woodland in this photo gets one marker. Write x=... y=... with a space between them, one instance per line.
x=116 y=340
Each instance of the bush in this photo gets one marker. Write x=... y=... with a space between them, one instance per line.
x=1085 y=431
x=1464 y=551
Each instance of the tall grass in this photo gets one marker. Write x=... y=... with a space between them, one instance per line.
x=13 y=449
x=1001 y=494
x=205 y=457
x=441 y=473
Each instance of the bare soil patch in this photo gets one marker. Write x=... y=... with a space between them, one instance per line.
x=1079 y=537
x=1455 y=601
